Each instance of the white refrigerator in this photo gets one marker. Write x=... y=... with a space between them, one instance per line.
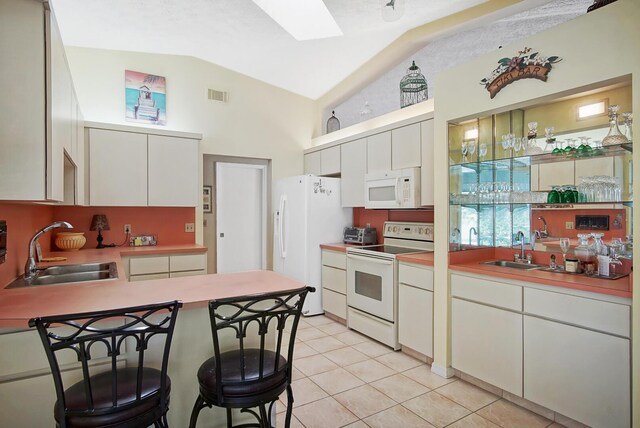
x=307 y=213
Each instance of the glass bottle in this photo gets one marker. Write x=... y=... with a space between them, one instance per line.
x=614 y=136
x=585 y=254
x=628 y=121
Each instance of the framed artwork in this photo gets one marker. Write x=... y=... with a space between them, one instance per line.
x=206 y=199
x=145 y=98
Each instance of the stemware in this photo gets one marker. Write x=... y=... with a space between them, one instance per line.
x=628 y=121
x=471 y=147
x=464 y=149
x=549 y=139
x=517 y=145
x=505 y=144
x=564 y=247
x=482 y=150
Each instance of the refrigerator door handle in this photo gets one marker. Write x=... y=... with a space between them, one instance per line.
x=281 y=237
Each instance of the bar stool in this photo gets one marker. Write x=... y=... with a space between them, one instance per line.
x=249 y=373
x=124 y=397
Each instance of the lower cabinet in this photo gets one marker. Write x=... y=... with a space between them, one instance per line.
x=334 y=283
x=145 y=268
x=415 y=308
x=487 y=344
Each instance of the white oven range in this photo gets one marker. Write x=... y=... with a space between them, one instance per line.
x=372 y=279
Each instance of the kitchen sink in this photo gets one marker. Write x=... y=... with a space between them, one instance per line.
x=513 y=265
x=66 y=274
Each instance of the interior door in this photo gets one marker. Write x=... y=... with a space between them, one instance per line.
x=241 y=217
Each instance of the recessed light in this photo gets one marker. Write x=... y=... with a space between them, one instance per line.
x=304 y=20
x=593 y=109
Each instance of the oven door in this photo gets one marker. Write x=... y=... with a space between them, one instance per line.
x=370 y=285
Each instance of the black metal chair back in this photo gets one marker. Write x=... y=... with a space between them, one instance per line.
x=98 y=396
x=248 y=368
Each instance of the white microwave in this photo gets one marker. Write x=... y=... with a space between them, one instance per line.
x=392 y=189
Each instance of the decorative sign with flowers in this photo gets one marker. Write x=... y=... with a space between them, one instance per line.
x=526 y=65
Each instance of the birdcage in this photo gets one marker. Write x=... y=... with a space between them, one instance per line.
x=333 y=124
x=413 y=87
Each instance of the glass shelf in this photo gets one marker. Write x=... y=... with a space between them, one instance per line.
x=505 y=163
x=538 y=205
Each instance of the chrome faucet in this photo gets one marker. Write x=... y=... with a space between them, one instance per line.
x=30 y=267
x=520 y=235
x=458 y=234
x=544 y=233
x=474 y=231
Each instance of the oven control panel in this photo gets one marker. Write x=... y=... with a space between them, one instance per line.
x=408 y=230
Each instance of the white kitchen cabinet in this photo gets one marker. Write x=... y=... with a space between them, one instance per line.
x=117 y=168
x=37 y=118
x=334 y=283
x=486 y=342
x=312 y=163
x=142 y=268
x=330 y=161
x=173 y=171
x=556 y=173
x=415 y=308
x=579 y=373
x=427 y=184
x=406 y=147
x=353 y=160
x=379 y=152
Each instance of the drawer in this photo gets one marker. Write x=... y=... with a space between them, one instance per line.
x=187 y=273
x=334 y=303
x=146 y=265
x=607 y=317
x=416 y=276
x=134 y=278
x=334 y=279
x=183 y=262
x=485 y=291
x=335 y=259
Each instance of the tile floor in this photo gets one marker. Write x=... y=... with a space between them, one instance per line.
x=344 y=379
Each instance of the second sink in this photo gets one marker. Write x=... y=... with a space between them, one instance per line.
x=513 y=265
x=84 y=267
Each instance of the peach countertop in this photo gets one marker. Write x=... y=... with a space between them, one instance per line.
x=18 y=305
x=425 y=258
x=339 y=246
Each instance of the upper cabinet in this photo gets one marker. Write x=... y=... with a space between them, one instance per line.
x=405 y=147
x=131 y=168
x=324 y=162
x=379 y=152
x=38 y=127
x=353 y=166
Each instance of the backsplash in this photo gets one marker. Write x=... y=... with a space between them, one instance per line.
x=557 y=219
x=376 y=218
x=23 y=220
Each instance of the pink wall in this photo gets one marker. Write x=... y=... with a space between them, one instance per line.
x=376 y=218
x=23 y=220
x=166 y=223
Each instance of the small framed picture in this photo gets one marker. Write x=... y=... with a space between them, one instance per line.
x=206 y=199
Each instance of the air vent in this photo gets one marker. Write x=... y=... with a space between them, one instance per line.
x=217 y=95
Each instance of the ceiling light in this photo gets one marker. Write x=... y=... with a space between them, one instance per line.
x=303 y=19
x=594 y=109
x=392 y=10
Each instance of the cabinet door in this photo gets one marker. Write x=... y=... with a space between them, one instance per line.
x=117 y=168
x=353 y=160
x=173 y=171
x=405 y=147
x=330 y=161
x=312 y=163
x=415 y=319
x=555 y=173
x=379 y=152
x=426 y=171
x=579 y=373
x=80 y=159
x=334 y=303
x=486 y=343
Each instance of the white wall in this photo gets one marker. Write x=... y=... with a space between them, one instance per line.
x=259 y=120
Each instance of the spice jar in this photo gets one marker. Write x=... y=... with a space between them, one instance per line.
x=571 y=265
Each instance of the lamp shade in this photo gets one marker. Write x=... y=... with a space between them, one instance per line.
x=99 y=222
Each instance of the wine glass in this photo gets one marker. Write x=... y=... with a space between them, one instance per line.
x=505 y=144
x=482 y=150
x=471 y=147
x=564 y=247
x=464 y=149
x=517 y=145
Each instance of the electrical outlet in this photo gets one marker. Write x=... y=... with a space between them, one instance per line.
x=127 y=228
x=568 y=225
x=189 y=227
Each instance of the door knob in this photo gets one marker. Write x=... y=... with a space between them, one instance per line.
x=222 y=235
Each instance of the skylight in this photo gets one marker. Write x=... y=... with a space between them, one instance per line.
x=303 y=19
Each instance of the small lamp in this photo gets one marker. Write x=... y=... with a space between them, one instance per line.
x=99 y=222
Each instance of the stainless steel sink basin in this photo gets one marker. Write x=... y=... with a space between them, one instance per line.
x=85 y=267
x=66 y=274
x=513 y=265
